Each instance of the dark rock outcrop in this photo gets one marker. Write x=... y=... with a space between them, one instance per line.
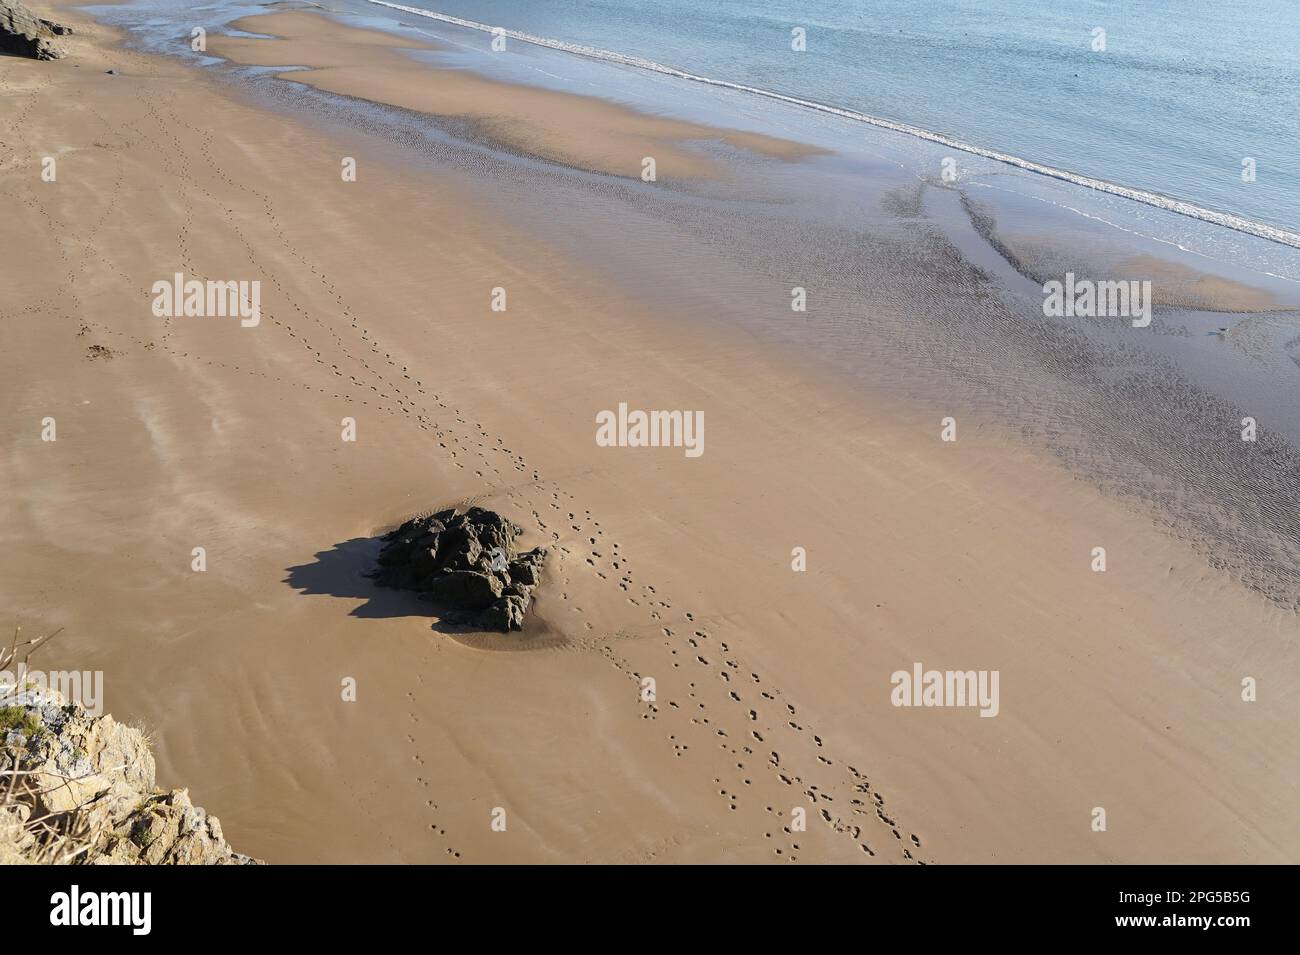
x=25 y=34
x=467 y=564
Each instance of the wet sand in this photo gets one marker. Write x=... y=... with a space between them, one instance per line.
x=1119 y=689
x=577 y=131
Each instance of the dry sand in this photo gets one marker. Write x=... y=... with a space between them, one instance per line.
x=1118 y=689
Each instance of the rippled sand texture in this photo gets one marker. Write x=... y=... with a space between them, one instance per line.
x=772 y=687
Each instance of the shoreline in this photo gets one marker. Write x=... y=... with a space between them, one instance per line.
x=916 y=548
x=583 y=133
x=1227 y=220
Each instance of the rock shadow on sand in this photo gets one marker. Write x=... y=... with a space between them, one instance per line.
x=344 y=570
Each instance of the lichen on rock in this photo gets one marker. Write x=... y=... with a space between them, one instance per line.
x=77 y=788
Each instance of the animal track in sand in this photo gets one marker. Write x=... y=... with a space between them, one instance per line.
x=821 y=793
x=165 y=139
x=422 y=783
x=350 y=352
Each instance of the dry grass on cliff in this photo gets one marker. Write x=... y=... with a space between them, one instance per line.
x=25 y=833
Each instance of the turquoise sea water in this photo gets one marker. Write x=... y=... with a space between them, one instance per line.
x=1183 y=92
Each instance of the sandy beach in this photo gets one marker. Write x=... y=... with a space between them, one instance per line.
x=772 y=685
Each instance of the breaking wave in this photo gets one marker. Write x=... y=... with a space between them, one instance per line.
x=1191 y=210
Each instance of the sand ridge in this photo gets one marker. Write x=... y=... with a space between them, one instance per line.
x=581 y=132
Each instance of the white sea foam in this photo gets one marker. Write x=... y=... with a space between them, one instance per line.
x=1238 y=223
